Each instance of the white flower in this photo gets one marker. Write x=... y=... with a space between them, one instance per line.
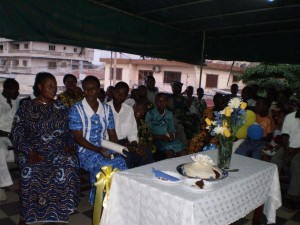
x=218 y=130
x=235 y=103
x=202 y=159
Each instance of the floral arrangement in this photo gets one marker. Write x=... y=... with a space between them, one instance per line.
x=228 y=121
x=224 y=127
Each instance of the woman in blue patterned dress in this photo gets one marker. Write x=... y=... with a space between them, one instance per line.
x=44 y=146
x=90 y=119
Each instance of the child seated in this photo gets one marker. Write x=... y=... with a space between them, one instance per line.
x=252 y=146
x=160 y=121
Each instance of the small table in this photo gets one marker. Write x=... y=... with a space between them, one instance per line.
x=136 y=197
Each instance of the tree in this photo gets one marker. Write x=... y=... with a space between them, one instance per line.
x=277 y=75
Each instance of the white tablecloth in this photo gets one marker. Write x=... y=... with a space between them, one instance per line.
x=136 y=198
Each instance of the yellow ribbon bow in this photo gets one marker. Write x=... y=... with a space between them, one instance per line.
x=103 y=183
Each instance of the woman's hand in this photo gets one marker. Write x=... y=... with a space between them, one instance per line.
x=171 y=136
x=104 y=154
x=34 y=157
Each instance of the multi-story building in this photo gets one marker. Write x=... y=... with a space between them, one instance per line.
x=23 y=60
x=216 y=75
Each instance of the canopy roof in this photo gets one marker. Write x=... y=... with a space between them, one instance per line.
x=250 y=30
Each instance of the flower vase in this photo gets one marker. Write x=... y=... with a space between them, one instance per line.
x=224 y=153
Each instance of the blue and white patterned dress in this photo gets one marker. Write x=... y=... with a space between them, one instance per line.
x=49 y=190
x=94 y=127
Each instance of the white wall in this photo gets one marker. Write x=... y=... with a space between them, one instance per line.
x=190 y=76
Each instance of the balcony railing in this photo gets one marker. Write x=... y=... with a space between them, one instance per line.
x=48 y=53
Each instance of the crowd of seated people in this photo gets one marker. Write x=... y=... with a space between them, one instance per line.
x=151 y=124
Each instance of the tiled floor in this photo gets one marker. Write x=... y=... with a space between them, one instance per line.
x=83 y=214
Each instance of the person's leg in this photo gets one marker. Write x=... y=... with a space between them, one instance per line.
x=145 y=159
x=256 y=149
x=5 y=178
x=278 y=159
x=180 y=133
x=244 y=148
x=129 y=159
x=169 y=154
x=294 y=187
x=182 y=153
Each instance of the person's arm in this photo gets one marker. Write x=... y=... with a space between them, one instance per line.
x=132 y=131
x=80 y=140
x=112 y=135
x=285 y=141
x=286 y=132
x=3 y=119
x=19 y=137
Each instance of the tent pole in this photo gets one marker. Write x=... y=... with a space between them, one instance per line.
x=110 y=70
x=115 y=68
x=230 y=72
x=202 y=58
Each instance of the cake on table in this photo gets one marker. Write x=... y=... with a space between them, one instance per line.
x=202 y=167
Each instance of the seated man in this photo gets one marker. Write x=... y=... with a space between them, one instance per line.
x=290 y=155
x=126 y=128
x=8 y=107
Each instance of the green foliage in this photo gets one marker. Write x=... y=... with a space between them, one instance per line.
x=278 y=75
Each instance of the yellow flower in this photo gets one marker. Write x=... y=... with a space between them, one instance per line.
x=243 y=105
x=227 y=132
x=208 y=121
x=225 y=124
x=227 y=111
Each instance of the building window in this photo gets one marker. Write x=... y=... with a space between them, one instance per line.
x=24 y=62
x=118 y=73
x=1 y=47
x=143 y=74
x=51 y=47
x=15 y=46
x=26 y=46
x=235 y=79
x=170 y=76
x=63 y=65
x=75 y=67
x=15 y=62
x=65 y=48
x=211 y=80
x=52 y=65
x=75 y=49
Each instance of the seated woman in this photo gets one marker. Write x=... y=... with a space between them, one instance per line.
x=90 y=120
x=160 y=121
x=44 y=146
x=72 y=94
